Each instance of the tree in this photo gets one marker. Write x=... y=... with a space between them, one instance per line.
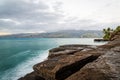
x=117 y=29
x=107 y=33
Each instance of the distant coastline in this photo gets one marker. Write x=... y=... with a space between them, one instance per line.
x=59 y=34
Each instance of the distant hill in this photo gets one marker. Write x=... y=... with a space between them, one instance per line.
x=59 y=34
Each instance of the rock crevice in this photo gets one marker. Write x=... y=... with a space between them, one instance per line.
x=80 y=62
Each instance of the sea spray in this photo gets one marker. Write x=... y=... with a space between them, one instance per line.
x=25 y=67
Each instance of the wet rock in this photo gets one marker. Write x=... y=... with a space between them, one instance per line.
x=100 y=40
x=31 y=76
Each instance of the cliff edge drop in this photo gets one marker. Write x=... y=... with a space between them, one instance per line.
x=80 y=62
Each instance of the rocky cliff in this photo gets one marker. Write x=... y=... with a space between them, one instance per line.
x=80 y=62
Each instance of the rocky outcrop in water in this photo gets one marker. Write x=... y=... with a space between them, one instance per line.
x=80 y=62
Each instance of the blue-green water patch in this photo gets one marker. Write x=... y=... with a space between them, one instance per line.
x=17 y=56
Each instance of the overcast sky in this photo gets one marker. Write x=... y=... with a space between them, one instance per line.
x=23 y=16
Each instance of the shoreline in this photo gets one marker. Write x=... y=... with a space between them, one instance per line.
x=79 y=62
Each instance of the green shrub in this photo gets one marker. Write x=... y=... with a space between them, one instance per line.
x=108 y=33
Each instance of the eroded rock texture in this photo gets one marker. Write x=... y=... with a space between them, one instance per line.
x=80 y=62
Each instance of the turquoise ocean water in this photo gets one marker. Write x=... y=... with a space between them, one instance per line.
x=17 y=56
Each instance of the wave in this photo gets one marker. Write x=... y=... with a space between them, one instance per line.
x=25 y=67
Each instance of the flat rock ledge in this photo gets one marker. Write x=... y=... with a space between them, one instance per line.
x=80 y=62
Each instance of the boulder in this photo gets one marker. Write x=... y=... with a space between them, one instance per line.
x=63 y=67
x=106 y=67
x=31 y=76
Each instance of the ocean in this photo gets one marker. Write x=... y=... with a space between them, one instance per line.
x=17 y=56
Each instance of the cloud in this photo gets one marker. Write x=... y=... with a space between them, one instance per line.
x=20 y=9
x=20 y=16
x=27 y=14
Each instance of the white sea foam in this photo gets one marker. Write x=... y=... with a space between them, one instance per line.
x=25 y=67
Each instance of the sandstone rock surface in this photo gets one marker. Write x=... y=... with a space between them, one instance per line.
x=80 y=62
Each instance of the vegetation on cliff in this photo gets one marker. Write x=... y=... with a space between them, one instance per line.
x=109 y=33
